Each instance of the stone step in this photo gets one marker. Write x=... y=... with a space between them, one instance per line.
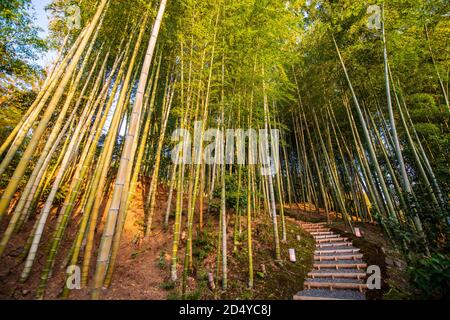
x=316 y=228
x=326 y=294
x=321 y=233
x=326 y=236
x=339 y=257
x=336 y=285
x=335 y=239
x=346 y=270
x=336 y=251
x=308 y=224
x=335 y=280
x=334 y=244
x=338 y=266
x=337 y=275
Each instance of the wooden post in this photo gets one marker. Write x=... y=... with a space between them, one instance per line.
x=211 y=283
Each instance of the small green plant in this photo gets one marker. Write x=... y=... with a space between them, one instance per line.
x=203 y=245
x=168 y=285
x=202 y=275
x=431 y=277
x=173 y=296
x=161 y=260
x=194 y=295
x=140 y=223
x=235 y=196
x=247 y=295
x=394 y=294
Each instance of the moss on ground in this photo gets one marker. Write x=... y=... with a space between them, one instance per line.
x=280 y=281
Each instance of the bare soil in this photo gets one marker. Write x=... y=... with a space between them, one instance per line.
x=139 y=269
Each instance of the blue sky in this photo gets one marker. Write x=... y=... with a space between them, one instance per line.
x=42 y=22
x=41 y=15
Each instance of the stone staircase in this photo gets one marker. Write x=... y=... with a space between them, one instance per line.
x=339 y=272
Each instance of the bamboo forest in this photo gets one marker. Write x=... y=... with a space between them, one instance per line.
x=224 y=150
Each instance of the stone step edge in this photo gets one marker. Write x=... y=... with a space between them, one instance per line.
x=336 y=285
x=336 y=266
x=336 y=275
x=336 y=258
x=335 y=251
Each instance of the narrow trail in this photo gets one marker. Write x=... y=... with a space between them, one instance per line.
x=339 y=272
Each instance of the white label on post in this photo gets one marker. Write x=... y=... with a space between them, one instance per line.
x=292 y=255
x=357 y=232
